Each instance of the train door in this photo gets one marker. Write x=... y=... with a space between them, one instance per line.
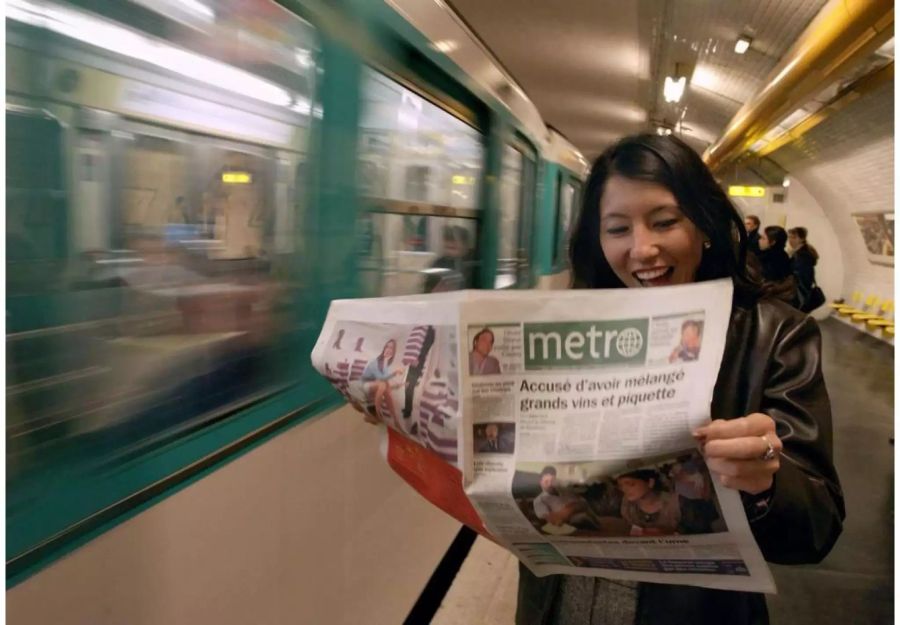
x=517 y=193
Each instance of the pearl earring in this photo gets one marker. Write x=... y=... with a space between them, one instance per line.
x=707 y=245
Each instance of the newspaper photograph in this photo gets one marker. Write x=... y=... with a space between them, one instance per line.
x=565 y=416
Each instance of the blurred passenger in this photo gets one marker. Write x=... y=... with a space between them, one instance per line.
x=456 y=259
x=804 y=259
x=751 y=223
x=775 y=264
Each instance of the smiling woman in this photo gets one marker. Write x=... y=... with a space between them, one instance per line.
x=653 y=215
x=665 y=221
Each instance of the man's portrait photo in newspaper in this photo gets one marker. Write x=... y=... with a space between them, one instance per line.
x=582 y=499
x=480 y=360
x=688 y=347
x=495 y=438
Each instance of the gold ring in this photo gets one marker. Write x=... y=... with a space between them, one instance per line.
x=770 y=452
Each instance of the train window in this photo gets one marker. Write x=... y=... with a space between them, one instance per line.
x=175 y=241
x=566 y=203
x=420 y=169
x=516 y=209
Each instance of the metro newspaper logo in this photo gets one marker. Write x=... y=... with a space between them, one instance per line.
x=585 y=344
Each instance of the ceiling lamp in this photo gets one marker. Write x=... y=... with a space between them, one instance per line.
x=742 y=44
x=673 y=88
x=445 y=45
x=786 y=183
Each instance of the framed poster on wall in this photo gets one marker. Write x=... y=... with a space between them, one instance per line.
x=877 y=231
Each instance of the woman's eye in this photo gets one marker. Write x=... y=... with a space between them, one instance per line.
x=666 y=223
x=616 y=230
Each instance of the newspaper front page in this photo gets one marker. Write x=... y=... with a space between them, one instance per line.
x=558 y=423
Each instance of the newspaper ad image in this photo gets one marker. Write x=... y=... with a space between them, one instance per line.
x=404 y=376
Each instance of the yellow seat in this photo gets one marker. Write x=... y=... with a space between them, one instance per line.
x=870 y=305
x=855 y=299
x=885 y=318
x=879 y=323
x=889 y=331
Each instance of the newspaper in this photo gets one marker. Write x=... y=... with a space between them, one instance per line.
x=557 y=423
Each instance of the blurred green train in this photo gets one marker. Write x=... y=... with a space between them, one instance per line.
x=190 y=184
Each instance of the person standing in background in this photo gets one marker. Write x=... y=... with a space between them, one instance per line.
x=775 y=264
x=751 y=222
x=803 y=262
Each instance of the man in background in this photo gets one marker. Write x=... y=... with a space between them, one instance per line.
x=751 y=222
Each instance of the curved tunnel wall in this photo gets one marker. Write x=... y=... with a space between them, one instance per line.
x=846 y=164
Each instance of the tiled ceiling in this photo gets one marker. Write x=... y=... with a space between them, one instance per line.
x=595 y=68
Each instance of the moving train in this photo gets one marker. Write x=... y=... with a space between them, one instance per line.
x=189 y=184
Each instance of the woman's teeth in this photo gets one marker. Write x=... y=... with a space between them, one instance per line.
x=651 y=274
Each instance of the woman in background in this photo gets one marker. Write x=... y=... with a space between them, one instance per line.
x=776 y=264
x=804 y=261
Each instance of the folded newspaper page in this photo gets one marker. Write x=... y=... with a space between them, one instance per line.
x=557 y=423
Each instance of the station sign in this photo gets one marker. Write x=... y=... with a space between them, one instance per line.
x=237 y=177
x=739 y=191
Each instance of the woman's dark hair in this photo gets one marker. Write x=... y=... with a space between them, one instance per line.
x=800 y=232
x=667 y=161
x=777 y=236
x=478 y=336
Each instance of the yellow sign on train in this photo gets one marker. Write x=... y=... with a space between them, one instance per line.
x=739 y=191
x=236 y=177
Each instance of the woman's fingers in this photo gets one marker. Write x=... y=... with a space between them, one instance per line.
x=745 y=448
x=737 y=450
x=756 y=424
x=750 y=476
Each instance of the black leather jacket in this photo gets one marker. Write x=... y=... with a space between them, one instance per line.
x=771 y=364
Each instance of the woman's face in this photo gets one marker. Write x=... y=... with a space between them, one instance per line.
x=634 y=488
x=794 y=241
x=389 y=350
x=764 y=242
x=645 y=237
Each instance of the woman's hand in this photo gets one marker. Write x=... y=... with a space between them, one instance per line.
x=736 y=449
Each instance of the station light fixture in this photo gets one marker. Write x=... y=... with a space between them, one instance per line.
x=786 y=182
x=673 y=88
x=742 y=44
x=445 y=45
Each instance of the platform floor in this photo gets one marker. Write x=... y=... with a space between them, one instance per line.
x=855 y=583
